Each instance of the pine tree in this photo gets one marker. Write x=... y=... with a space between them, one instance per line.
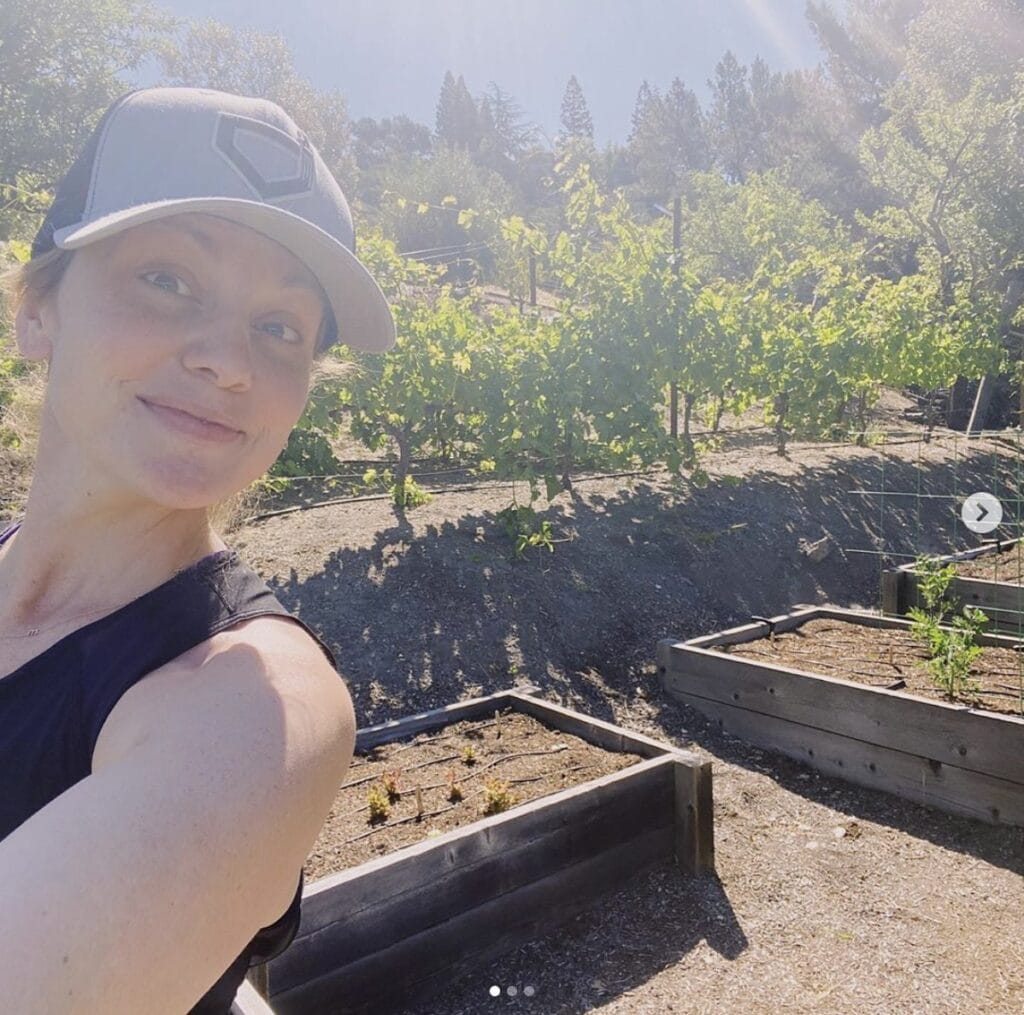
x=668 y=140
x=686 y=128
x=731 y=120
x=447 y=121
x=576 y=120
x=457 y=115
x=641 y=111
x=513 y=134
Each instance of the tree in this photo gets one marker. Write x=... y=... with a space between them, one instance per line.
x=457 y=122
x=732 y=124
x=209 y=54
x=575 y=118
x=378 y=142
x=668 y=141
x=513 y=133
x=642 y=110
x=424 y=199
x=948 y=158
x=864 y=49
x=61 y=65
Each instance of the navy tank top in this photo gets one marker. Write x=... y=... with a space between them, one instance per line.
x=53 y=707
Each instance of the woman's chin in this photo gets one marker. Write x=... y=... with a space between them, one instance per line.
x=184 y=487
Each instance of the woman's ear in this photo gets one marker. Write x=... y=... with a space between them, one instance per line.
x=34 y=324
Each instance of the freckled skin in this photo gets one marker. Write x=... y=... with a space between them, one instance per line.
x=152 y=313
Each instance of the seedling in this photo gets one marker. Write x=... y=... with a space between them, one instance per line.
x=520 y=524
x=378 y=801
x=468 y=755
x=497 y=796
x=389 y=780
x=454 y=789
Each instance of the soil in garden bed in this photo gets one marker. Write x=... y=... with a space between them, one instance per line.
x=514 y=749
x=1005 y=566
x=882 y=656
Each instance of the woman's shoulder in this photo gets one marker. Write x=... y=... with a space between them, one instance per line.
x=272 y=660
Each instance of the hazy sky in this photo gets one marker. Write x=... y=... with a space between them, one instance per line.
x=389 y=56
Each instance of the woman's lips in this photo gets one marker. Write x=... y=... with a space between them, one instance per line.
x=191 y=426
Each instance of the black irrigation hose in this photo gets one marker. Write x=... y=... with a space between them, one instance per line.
x=497 y=485
x=447 y=489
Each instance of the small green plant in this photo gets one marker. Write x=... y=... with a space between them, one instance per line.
x=951 y=651
x=521 y=525
x=951 y=665
x=410 y=494
x=468 y=755
x=377 y=798
x=497 y=796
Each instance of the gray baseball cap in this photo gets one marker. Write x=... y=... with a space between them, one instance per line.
x=159 y=152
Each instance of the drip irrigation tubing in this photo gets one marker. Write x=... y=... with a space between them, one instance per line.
x=497 y=485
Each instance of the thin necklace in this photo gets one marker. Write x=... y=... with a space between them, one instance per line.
x=33 y=631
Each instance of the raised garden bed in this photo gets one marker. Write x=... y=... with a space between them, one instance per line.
x=990 y=577
x=402 y=925
x=833 y=706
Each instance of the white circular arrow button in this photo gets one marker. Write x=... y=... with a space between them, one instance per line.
x=981 y=513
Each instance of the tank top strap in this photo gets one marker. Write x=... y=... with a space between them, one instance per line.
x=206 y=598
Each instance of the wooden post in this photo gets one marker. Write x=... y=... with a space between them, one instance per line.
x=677 y=225
x=694 y=835
x=891 y=581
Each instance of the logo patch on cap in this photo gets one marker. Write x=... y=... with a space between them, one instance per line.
x=272 y=162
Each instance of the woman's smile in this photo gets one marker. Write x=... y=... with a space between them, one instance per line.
x=190 y=425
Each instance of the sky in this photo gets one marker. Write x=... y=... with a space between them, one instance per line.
x=390 y=56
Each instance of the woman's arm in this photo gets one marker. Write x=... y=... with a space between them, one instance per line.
x=137 y=887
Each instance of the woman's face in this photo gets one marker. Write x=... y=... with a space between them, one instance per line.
x=165 y=325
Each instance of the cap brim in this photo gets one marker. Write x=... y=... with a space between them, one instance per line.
x=361 y=311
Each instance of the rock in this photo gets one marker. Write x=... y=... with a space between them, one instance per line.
x=816 y=551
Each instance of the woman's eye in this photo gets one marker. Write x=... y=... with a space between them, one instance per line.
x=281 y=330
x=167 y=281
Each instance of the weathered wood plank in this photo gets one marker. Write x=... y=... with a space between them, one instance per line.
x=594 y=731
x=397 y=729
x=952 y=734
x=747 y=632
x=915 y=778
x=433 y=862
x=892 y=584
x=1003 y=601
x=694 y=826
x=429 y=960
x=249 y=1002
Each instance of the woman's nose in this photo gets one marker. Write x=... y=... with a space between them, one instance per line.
x=221 y=348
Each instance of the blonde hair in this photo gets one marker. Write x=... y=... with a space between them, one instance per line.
x=21 y=416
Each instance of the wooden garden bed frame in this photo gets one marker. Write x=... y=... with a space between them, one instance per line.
x=405 y=925
x=949 y=756
x=1002 y=602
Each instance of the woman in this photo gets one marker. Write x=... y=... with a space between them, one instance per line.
x=171 y=739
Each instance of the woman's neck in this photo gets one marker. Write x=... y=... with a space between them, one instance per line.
x=64 y=564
